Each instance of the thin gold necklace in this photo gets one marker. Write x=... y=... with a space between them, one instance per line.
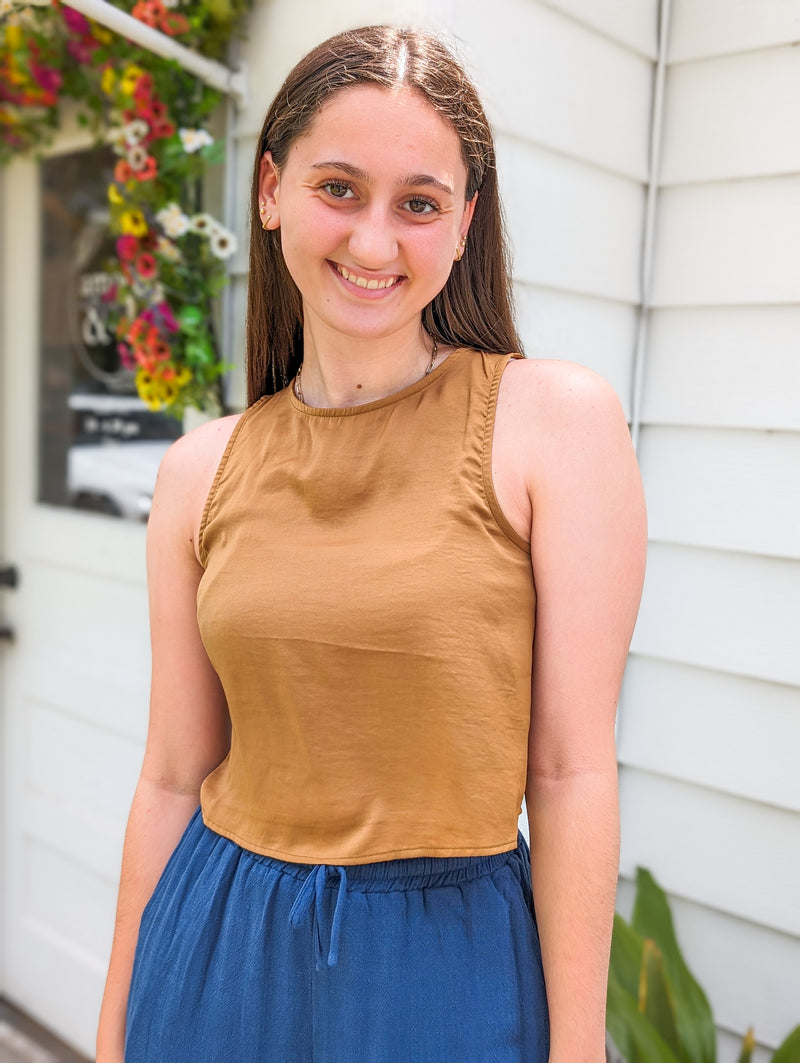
x=298 y=387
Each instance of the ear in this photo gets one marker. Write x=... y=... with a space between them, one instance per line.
x=469 y=211
x=268 y=189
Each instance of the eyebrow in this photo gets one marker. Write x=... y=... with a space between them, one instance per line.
x=359 y=175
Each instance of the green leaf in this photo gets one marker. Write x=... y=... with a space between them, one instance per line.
x=190 y=318
x=695 y=1024
x=789 y=1051
x=632 y=1032
x=656 y=998
x=626 y=956
x=748 y=1044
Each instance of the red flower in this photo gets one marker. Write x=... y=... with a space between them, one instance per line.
x=173 y=24
x=160 y=128
x=146 y=266
x=148 y=171
x=144 y=87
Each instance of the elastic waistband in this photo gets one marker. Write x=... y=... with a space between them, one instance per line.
x=418 y=872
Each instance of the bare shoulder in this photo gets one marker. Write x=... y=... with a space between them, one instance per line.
x=552 y=411
x=554 y=395
x=185 y=477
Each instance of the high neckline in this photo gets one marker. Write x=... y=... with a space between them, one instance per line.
x=388 y=400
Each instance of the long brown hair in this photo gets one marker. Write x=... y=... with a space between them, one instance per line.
x=474 y=309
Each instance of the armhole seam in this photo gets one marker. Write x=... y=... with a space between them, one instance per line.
x=486 y=458
x=223 y=461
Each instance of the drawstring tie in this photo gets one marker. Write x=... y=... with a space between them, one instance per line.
x=312 y=891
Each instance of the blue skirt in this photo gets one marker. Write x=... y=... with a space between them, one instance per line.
x=248 y=959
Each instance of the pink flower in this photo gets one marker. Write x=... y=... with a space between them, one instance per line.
x=127 y=248
x=164 y=312
x=48 y=79
x=125 y=356
x=76 y=21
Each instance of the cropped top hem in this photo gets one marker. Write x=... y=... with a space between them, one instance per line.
x=362 y=858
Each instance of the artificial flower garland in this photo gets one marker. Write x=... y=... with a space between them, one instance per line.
x=155 y=300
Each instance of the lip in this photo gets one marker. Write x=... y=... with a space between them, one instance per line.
x=363 y=290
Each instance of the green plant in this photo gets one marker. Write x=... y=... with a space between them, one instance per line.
x=657 y=1011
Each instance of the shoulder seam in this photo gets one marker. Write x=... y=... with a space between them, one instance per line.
x=212 y=494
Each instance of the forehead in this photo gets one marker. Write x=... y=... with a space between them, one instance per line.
x=377 y=130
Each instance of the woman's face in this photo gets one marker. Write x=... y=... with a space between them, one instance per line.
x=371 y=207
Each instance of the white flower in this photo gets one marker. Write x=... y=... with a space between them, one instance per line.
x=137 y=157
x=168 y=250
x=173 y=221
x=222 y=242
x=194 y=139
x=134 y=132
x=204 y=224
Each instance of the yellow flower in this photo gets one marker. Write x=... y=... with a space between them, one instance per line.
x=114 y=196
x=132 y=223
x=130 y=79
x=108 y=80
x=100 y=33
x=13 y=35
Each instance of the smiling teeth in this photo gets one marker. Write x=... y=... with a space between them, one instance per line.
x=362 y=282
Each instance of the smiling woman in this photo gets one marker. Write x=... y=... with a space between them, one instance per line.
x=347 y=676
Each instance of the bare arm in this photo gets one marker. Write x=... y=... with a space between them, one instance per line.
x=588 y=537
x=188 y=733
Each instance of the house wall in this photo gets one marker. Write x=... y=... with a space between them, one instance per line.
x=710 y=712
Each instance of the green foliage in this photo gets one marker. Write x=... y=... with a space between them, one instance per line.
x=657 y=1012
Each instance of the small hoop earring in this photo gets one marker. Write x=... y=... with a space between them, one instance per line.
x=461 y=249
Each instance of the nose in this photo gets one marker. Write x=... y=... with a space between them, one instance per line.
x=373 y=239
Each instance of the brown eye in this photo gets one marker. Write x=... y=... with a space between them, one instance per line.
x=421 y=206
x=337 y=189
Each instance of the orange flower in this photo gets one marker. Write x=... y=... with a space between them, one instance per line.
x=123 y=172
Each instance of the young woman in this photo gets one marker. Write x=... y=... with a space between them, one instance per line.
x=347 y=676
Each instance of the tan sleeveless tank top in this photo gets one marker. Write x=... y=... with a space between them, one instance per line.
x=369 y=611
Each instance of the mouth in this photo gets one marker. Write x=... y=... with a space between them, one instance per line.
x=370 y=284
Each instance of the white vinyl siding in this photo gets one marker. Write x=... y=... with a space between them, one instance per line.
x=710 y=712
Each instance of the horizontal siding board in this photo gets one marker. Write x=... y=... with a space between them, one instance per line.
x=736 y=490
x=593 y=332
x=597 y=92
x=718 y=27
x=734 y=116
x=572 y=226
x=717 y=730
x=735 y=855
x=726 y=611
x=750 y=973
x=631 y=22
x=728 y=242
x=742 y=363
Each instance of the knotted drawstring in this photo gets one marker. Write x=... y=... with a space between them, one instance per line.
x=313 y=889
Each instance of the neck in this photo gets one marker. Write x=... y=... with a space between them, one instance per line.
x=365 y=371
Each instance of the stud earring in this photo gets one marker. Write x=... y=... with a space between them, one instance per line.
x=265 y=222
x=461 y=249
